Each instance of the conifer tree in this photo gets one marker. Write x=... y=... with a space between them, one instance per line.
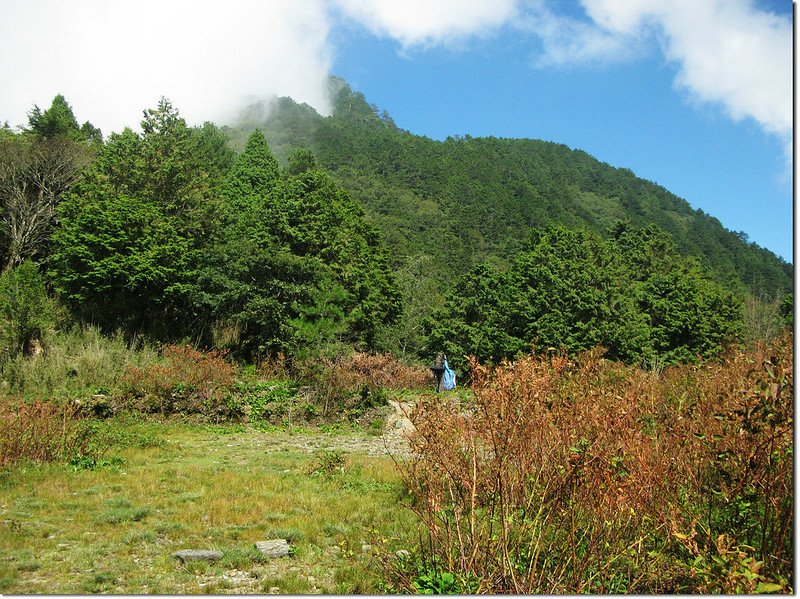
x=132 y=231
x=253 y=175
x=59 y=121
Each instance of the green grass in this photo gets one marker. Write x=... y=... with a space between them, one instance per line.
x=67 y=530
x=77 y=364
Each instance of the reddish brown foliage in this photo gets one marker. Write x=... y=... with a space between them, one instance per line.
x=332 y=381
x=378 y=371
x=350 y=372
x=190 y=381
x=561 y=475
x=41 y=432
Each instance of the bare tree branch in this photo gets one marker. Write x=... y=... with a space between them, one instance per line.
x=34 y=175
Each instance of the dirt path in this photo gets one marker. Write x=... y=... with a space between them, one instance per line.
x=393 y=441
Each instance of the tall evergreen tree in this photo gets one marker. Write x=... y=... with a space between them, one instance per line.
x=296 y=268
x=253 y=176
x=132 y=231
x=56 y=121
x=59 y=121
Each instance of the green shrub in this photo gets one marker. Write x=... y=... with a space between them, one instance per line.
x=328 y=463
x=267 y=401
x=25 y=310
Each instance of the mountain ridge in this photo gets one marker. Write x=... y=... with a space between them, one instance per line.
x=469 y=199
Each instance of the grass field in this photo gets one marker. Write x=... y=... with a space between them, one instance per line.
x=549 y=475
x=111 y=526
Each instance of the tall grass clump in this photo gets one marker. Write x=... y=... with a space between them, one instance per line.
x=42 y=431
x=74 y=364
x=589 y=476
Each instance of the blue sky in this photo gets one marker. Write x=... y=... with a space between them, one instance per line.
x=626 y=113
x=695 y=95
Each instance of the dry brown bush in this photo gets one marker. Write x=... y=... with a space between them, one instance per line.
x=274 y=367
x=378 y=371
x=585 y=475
x=41 y=431
x=332 y=381
x=189 y=381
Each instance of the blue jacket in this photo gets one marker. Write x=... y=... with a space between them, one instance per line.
x=449 y=381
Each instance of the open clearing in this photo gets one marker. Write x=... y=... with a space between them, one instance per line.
x=164 y=487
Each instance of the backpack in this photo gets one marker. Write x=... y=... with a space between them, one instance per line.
x=449 y=380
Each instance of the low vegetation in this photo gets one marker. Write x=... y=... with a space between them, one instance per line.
x=188 y=381
x=551 y=474
x=44 y=432
x=201 y=349
x=112 y=525
x=584 y=475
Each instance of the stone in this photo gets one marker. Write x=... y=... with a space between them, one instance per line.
x=402 y=554
x=273 y=547
x=188 y=555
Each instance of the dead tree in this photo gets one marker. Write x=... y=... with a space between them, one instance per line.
x=34 y=175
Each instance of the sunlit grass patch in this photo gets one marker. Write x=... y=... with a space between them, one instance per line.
x=114 y=530
x=119 y=510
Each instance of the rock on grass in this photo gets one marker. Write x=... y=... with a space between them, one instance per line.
x=273 y=547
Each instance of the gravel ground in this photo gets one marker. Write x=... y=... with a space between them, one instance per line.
x=393 y=441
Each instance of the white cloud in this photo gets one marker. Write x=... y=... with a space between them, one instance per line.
x=113 y=58
x=566 y=40
x=740 y=57
x=728 y=52
x=425 y=23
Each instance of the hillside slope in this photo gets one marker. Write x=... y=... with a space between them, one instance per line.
x=465 y=200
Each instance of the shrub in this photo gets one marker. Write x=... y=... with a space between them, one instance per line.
x=275 y=367
x=328 y=463
x=189 y=382
x=359 y=380
x=44 y=432
x=354 y=371
x=584 y=475
x=25 y=310
x=381 y=371
x=269 y=401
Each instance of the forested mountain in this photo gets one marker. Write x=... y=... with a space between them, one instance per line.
x=465 y=200
x=325 y=234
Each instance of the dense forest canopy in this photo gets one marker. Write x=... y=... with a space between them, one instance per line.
x=466 y=199
x=326 y=233
x=168 y=233
x=633 y=294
